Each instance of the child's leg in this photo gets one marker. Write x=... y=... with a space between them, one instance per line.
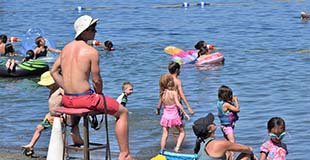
x=230 y=136
x=35 y=136
x=12 y=65
x=180 y=138
x=8 y=64
x=164 y=138
x=228 y=133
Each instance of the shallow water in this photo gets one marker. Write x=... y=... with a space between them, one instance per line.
x=265 y=44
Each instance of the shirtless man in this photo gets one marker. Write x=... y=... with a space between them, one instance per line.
x=77 y=62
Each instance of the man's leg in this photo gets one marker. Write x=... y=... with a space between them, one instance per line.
x=121 y=131
x=76 y=136
x=75 y=132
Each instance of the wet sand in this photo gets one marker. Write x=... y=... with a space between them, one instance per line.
x=16 y=155
x=40 y=154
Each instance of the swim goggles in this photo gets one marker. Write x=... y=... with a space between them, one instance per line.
x=274 y=136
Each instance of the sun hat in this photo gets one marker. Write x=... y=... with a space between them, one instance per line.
x=201 y=125
x=303 y=12
x=46 y=79
x=82 y=23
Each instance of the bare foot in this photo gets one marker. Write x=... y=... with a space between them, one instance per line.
x=177 y=149
x=28 y=146
x=28 y=150
x=126 y=157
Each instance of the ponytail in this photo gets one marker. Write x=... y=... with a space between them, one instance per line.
x=197 y=146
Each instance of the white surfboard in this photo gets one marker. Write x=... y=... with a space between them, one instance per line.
x=56 y=145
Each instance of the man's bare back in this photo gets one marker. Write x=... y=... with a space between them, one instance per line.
x=78 y=60
x=77 y=63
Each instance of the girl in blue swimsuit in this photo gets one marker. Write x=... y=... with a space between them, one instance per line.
x=228 y=107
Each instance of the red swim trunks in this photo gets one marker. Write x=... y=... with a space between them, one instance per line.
x=90 y=100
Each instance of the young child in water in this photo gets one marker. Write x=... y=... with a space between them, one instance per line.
x=274 y=148
x=170 y=118
x=127 y=90
x=10 y=51
x=203 y=48
x=41 y=49
x=228 y=107
x=108 y=45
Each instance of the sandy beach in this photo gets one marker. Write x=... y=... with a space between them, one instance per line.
x=40 y=154
x=13 y=153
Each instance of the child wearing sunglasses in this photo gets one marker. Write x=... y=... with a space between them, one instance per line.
x=274 y=148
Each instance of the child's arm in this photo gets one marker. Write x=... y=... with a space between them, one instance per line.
x=53 y=50
x=181 y=92
x=235 y=100
x=177 y=102
x=263 y=156
x=233 y=108
x=160 y=102
x=36 y=52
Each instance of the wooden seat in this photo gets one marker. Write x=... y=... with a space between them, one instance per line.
x=84 y=113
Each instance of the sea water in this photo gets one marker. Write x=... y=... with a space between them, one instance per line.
x=266 y=49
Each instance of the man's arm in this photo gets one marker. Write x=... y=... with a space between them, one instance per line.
x=55 y=72
x=95 y=71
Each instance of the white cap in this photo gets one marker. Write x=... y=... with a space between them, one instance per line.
x=82 y=23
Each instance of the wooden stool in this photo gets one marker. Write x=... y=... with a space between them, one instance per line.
x=84 y=113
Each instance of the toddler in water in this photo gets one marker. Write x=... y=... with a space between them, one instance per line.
x=170 y=118
x=127 y=90
x=274 y=148
x=228 y=107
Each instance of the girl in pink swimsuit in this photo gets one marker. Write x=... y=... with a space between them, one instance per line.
x=170 y=117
